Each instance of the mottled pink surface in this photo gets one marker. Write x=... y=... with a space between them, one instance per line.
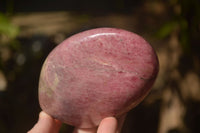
x=97 y=73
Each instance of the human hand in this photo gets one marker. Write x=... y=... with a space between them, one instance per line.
x=46 y=124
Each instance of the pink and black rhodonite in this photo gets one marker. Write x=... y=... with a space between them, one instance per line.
x=95 y=74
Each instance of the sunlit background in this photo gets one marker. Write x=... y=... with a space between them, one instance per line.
x=30 y=29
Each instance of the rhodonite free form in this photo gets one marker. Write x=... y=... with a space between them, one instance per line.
x=95 y=74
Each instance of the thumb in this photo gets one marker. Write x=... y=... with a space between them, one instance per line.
x=111 y=125
x=46 y=124
x=108 y=125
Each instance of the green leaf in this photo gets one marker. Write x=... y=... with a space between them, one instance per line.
x=167 y=29
x=7 y=28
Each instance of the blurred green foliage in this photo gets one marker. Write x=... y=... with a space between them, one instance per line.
x=7 y=28
x=8 y=41
x=185 y=21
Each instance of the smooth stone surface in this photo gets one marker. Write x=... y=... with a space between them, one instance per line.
x=95 y=74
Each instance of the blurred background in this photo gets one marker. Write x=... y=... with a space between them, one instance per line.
x=30 y=29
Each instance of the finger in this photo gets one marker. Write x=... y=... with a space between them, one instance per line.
x=108 y=125
x=85 y=130
x=46 y=124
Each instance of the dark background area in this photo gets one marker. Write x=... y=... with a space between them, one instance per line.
x=100 y=6
x=29 y=30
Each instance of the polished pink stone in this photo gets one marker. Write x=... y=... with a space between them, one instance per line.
x=95 y=74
